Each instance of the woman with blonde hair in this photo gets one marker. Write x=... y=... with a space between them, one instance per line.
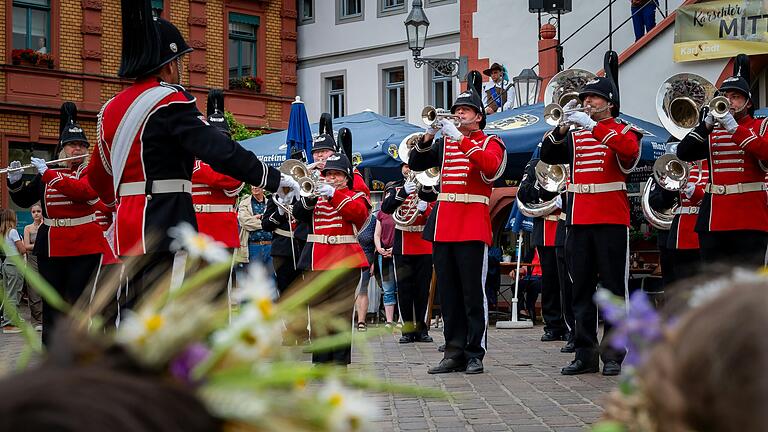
x=12 y=280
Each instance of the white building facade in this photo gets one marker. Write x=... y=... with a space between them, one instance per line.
x=353 y=56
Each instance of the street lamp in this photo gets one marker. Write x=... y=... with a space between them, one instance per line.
x=416 y=26
x=527 y=84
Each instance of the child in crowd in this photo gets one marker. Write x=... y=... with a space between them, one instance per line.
x=12 y=280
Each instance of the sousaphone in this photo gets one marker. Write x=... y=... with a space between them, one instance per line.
x=681 y=97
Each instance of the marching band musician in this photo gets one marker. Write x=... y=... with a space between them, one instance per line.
x=682 y=241
x=334 y=218
x=470 y=162
x=412 y=254
x=544 y=239
x=214 y=195
x=733 y=217
x=70 y=243
x=148 y=137
x=324 y=145
x=601 y=151
x=288 y=239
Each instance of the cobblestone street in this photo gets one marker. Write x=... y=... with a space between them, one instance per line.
x=521 y=390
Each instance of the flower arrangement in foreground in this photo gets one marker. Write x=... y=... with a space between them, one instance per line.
x=234 y=360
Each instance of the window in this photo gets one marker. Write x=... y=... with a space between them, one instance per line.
x=335 y=86
x=157 y=8
x=391 y=7
x=32 y=25
x=441 y=90
x=306 y=9
x=22 y=152
x=394 y=92
x=430 y=3
x=349 y=10
x=242 y=45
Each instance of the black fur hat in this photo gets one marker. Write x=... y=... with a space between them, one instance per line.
x=148 y=43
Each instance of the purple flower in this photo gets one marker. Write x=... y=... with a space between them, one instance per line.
x=636 y=329
x=182 y=366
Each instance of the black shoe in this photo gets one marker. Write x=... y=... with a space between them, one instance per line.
x=578 y=367
x=404 y=339
x=611 y=368
x=550 y=336
x=569 y=347
x=423 y=337
x=448 y=365
x=441 y=348
x=474 y=366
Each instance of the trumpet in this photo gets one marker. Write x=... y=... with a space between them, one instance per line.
x=309 y=181
x=554 y=113
x=53 y=162
x=431 y=117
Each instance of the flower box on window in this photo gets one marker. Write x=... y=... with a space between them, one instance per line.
x=32 y=58
x=249 y=83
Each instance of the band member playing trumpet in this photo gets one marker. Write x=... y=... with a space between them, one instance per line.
x=733 y=219
x=460 y=226
x=334 y=217
x=601 y=151
x=70 y=243
x=413 y=204
x=544 y=238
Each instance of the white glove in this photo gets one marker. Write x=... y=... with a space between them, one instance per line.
x=39 y=165
x=728 y=122
x=559 y=201
x=287 y=181
x=709 y=120
x=450 y=130
x=421 y=206
x=409 y=187
x=573 y=103
x=326 y=190
x=280 y=209
x=14 y=176
x=431 y=131
x=690 y=188
x=582 y=119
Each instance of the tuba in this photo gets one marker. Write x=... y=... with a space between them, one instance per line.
x=661 y=220
x=670 y=172
x=406 y=214
x=551 y=178
x=561 y=89
x=681 y=97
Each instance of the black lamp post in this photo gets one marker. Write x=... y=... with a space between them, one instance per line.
x=416 y=26
x=527 y=87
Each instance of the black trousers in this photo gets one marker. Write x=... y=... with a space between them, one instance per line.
x=461 y=272
x=413 y=274
x=666 y=259
x=71 y=277
x=686 y=263
x=285 y=272
x=337 y=300
x=743 y=248
x=566 y=290
x=596 y=253
x=551 y=308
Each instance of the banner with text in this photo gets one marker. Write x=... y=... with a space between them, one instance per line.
x=721 y=29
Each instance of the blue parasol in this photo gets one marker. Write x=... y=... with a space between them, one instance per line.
x=299 y=134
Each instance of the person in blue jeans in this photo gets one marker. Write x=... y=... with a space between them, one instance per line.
x=384 y=238
x=250 y=211
x=643 y=16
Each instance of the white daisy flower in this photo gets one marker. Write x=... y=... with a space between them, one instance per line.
x=350 y=411
x=197 y=245
x=250 y=337
x=257 y=292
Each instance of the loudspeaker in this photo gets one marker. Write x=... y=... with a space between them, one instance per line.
x=550 y=6
x=535 y=6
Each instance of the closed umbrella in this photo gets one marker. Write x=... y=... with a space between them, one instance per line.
x=299 y=138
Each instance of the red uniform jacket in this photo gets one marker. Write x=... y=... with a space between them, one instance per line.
x=172 y=133
x=343 y=215
x=467 y=171
x=682 y=234
x=409 y=240
x=601 y=157
x=63 y=194
x=212 y=188
x=733 y=159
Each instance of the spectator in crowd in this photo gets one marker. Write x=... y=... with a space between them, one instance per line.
x=384 y=238
x=12 y=280
x=643 y=16
x=369 y=247
x=42 y=45
x=30 y=235
x=259 y=243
